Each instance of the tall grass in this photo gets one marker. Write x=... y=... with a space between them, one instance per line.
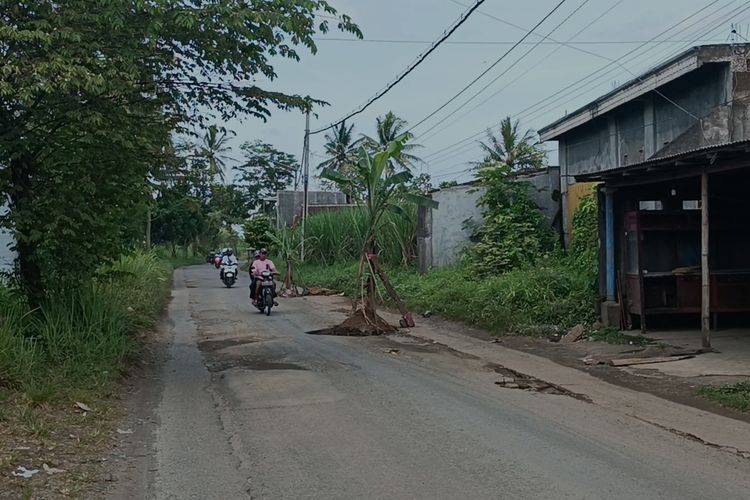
x=552 y=293
x=82 y=337
x=339 y=237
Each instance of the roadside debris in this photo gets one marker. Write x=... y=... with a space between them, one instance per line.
x=51 y=470
x=321 y=291
x=124 y=431
x=392 y=350
x=643 y=361
x=24 y=473
x=574 y=335
x=84 y=407
x=427 y=314
x=651 y=354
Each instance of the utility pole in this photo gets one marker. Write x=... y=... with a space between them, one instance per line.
x=305 y=178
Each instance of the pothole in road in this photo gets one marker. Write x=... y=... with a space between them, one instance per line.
x=511 y=379
x=218 y=345
x=251 y=364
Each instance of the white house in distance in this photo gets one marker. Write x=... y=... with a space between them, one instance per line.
x=6 y=254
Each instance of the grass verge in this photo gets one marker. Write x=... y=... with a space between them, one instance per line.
x=736 y=396
x=71 y=350
x=550 y=293
x=615 y=336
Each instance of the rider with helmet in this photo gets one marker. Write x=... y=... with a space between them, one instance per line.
x=263 y=263
x=227 y=259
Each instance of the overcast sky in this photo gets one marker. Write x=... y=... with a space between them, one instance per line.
x=347 y=73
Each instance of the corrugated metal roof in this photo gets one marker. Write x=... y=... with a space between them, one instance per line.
x=683 y=155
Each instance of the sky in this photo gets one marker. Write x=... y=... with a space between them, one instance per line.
x=525 y=84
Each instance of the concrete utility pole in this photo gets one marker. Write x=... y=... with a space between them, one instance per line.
x=305 y=178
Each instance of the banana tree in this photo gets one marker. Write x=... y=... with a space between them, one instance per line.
x=382 y=192
x=288 y=244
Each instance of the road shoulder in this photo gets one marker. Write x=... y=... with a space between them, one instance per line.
x=713 y=429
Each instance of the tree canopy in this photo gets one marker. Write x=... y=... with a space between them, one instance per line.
x=91 y=94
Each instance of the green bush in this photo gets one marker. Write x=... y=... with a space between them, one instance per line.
x=81 y=338
x=514 y=233
x=257 y=230
x=550 y=293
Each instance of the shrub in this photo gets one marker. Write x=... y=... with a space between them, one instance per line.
x=550 y=293
x=257 y=230
x=514 y=232
x=81 y=337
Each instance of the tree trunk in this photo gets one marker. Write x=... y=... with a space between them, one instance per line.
x=148 y=228
x=21 y=206
x=370 y=306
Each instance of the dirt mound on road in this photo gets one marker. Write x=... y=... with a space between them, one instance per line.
x=357 y=325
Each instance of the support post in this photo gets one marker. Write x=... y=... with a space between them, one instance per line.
x=705 y=270
x=609 y=228
x=305 y=180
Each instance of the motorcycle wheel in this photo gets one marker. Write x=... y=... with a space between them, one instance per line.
x=268 y=300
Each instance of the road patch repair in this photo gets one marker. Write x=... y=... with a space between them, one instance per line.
x=512 y=379
x=711 y=429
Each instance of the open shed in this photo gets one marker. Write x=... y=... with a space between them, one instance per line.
x=678 y=237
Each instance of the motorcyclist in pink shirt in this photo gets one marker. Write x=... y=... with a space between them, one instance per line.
x=262 y=263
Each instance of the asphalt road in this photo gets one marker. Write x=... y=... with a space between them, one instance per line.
x=253 y=407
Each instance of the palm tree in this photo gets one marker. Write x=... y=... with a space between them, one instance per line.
x=341 y=149
x=383 y=192
x=390 y=128
x=511 y=149
x=214 y=149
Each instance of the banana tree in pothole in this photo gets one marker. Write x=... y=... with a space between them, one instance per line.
x=382 y=190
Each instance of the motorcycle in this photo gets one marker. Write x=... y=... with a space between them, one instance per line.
x=267 y=286
x=229 y=275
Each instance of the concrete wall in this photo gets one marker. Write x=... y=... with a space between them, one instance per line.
x=544 y=189
x=653 y=125
x=289 y=203
x=459 y=207
x=443 y=233
x=6 y=241
x=6 y=255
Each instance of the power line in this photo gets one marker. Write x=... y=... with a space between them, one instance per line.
x=660 y=57
x=475 y=80
x=521 y=58
x=409 y=69
x=533 y=67
x=575 y=85
x=734 y=12
x=505 y=42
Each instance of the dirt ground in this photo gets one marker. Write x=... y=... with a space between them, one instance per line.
x=82 y=450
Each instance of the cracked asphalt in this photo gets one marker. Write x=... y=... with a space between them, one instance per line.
x=253 y=407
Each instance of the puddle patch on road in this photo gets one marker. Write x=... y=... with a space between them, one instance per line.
x=251 y=364
x=511 y=379
x=342 y=332
x=218 y=345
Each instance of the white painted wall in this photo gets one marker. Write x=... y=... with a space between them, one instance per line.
x=6 y=255
x=449 y=237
